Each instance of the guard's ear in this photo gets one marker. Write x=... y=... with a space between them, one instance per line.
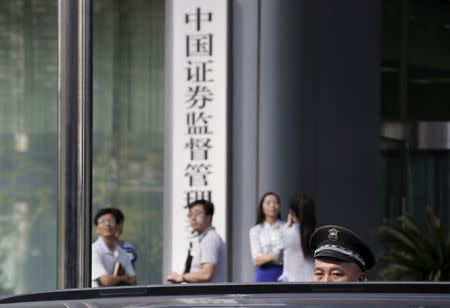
x=362 y=277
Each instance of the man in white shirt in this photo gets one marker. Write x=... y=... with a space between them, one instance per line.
x=111 y=265
x=209 y=264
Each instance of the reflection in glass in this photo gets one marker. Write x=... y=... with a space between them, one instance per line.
x=128 y=123
x=415 y=93
x=28 y=145
x=415 y=32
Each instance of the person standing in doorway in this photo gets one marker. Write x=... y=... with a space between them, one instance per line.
x=265 y=239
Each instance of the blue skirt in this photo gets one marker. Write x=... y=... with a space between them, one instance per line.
x=268 y=272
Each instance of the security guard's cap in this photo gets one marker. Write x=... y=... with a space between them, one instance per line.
x=342 y=244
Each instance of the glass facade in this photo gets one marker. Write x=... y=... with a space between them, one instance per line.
x=28 y=145
x=128 y=135
x=415 y=60
x=128 y=123
x=415 y=79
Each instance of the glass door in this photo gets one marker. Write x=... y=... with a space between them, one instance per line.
x=415 y=109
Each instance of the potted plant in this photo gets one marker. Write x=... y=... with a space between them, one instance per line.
x=413 y=253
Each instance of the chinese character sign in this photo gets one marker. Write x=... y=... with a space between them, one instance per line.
x=198 y=106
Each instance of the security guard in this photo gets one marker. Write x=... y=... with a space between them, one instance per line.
x=339 y=255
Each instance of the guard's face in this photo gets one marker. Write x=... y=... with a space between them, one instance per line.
x=270 y=206
x=198 y=219
x=106 y=225
x=332 y=270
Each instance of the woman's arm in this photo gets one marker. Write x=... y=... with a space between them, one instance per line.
x=265 y=258
x=255 y=245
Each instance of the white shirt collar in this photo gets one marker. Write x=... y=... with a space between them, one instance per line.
x=104 y=248
x=277 y=225
x=204 y=233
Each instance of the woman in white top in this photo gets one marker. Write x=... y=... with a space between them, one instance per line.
x=265 y=239
x=295 y=235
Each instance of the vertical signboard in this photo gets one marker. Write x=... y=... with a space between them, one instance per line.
x=198 y=107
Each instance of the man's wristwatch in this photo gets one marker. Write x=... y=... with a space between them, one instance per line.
x=182 y=278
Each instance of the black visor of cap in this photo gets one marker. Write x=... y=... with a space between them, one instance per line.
x=339 y=256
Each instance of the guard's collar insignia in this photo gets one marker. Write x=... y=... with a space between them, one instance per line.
x=333 y=234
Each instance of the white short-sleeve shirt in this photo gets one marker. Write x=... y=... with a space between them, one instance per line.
x=265 y=239
x=211 y=249
x=103 y=261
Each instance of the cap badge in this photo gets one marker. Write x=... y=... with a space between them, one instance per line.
x=333 y=234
